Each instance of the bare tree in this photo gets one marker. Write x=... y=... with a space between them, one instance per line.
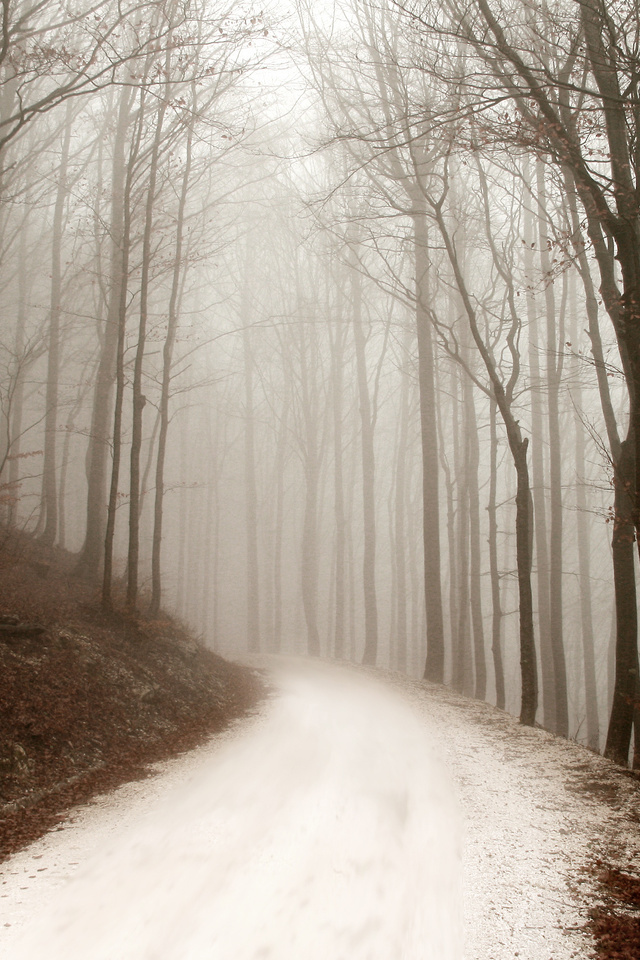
x=553 y=68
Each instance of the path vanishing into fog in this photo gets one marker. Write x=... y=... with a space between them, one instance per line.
x=329 y=828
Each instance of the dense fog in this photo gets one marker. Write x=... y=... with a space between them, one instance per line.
x=319 y=330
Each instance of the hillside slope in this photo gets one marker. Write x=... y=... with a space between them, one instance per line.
x=88 y=700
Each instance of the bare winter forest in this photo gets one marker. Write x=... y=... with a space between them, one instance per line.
x=320 y=327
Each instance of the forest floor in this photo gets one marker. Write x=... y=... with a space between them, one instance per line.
x=342 y=821
x=88 y=700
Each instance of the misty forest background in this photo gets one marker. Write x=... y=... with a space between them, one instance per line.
x=320 y=328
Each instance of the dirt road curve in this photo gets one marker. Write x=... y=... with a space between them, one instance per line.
x=330 y=829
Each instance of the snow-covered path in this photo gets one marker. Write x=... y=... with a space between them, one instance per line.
x=327 y=832
x=328 y=828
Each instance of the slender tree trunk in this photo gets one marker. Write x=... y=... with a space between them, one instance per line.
x=466 y=454
x=584 y=562
x=415 y=653
x=434 y=665
x=621 y=720
x=50 y=493
x=475 y=551
x=15 y=425
x=611 y=658
x=311 y=462
x=351 y=568
x=337 y=394
x=149 y=461
x=251 y=492
x=462 y=672
x=218 y=447
x=583 y=541
x=167 y=359
x=310 y=555
x=494 y=571
x=392 y=611
x=279 y=523
x=183 y=524
x=139 y=400
x=62 y=490
x=449 y=485
x=99 y=439
x=538 y=479
x=624 y=691
x=524 y=539
x=107 y=573
x=88 y=375
x=400 y=510
x=208 y=492
x=553 y=378
x=368 y=476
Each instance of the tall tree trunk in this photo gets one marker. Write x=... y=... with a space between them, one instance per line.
x=434 y=665
x=524 y=539
x=184 y=512
x=311 y=463
x=279 y=524
x=149 y=461
x=494 y=570
x=62 y=490
x=622 y=709
x=88 y=375
x=351 y=568
x=177 y=279
x=250 y=491
x=100 y=433
x=215 y=581
x=538 y=477
x=139 y=400
x=450 y=491
x=15 y=424
x=415 y=652
x=368 y=475
x=337 y=333
x=462 y=672
x=611 y=658
x=553 y=378
x=217 y=429
x=392 y=603
x=50 y=493
x=205 y=602
x=621 y=719
x=584 y=549
x=310 y=555
x=401 y=509
x=107 y=573
x=475 y=550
